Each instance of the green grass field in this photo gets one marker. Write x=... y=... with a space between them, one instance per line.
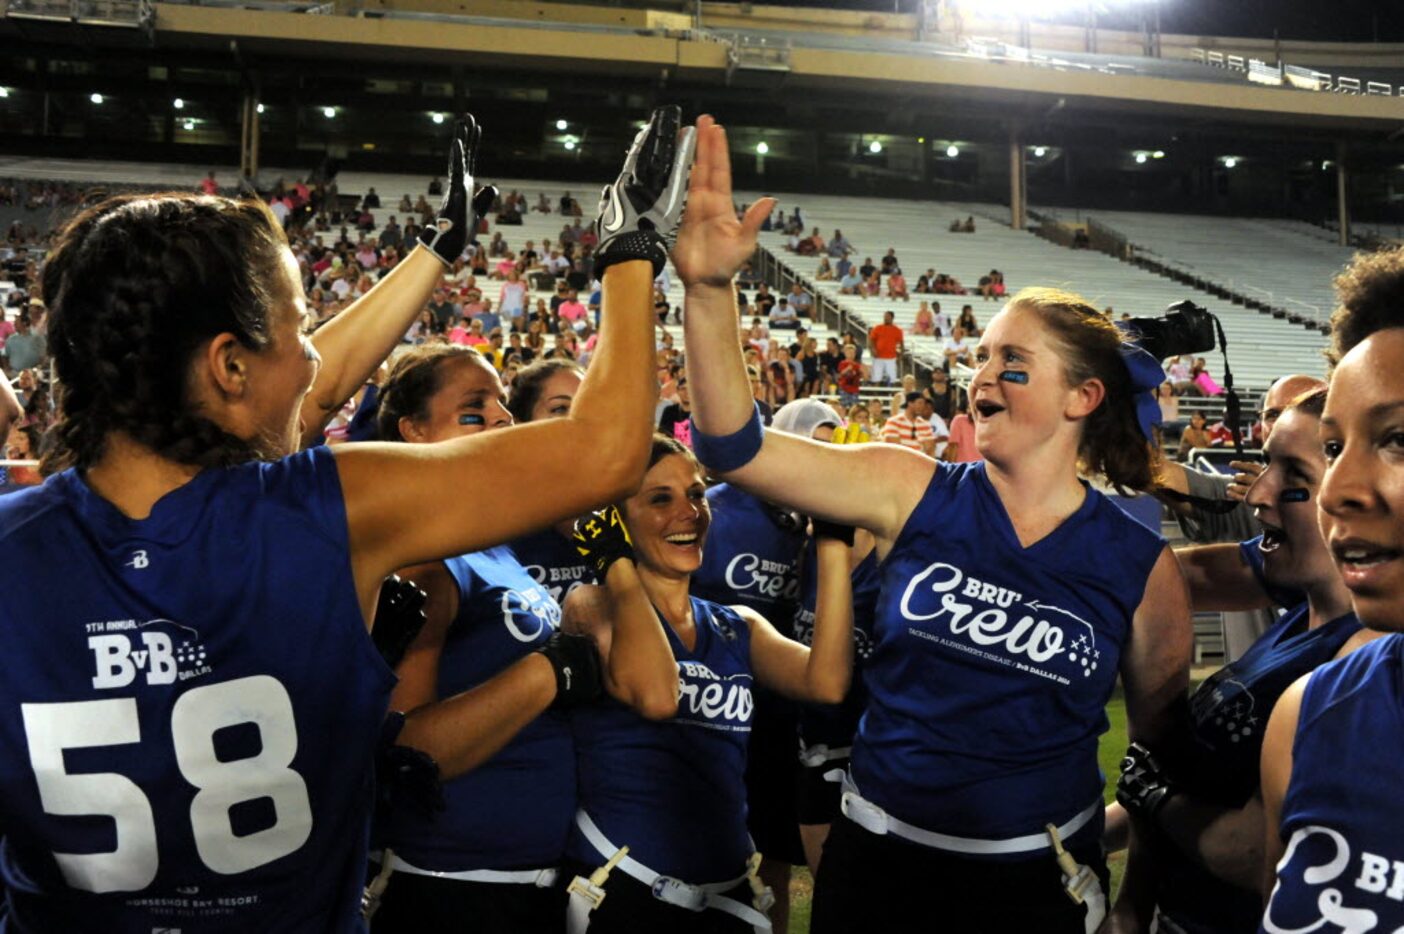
x=1109 y=754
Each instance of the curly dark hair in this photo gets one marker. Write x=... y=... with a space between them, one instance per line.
x=527 y=387
x=416 y=378
x=135 y=284
x=1370 y=292
x=1112 y=444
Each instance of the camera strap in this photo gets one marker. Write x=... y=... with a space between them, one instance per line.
x=1233 y=408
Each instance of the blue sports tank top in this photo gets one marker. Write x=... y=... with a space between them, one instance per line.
x=513 y=811
x=553 y=562
x=1343 y=869
x=833 y=725
x=750 y=558
x=993 y=663
x=189 y=706
x=672 y=790
x=1230 y=711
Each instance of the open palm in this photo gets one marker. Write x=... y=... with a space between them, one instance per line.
x=712 y=243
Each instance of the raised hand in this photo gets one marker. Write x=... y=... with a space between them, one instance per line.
x=712 y=243
x=640 y=212
x=602 y=539
x=447 y=237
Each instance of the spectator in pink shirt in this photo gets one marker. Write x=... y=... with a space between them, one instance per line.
x=573 y=311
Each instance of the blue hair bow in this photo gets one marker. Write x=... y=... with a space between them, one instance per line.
x=1146 y=377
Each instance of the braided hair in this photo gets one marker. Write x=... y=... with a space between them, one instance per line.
x=135 y=285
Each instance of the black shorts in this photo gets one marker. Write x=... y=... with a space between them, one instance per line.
x=816 y=798
x=771 y=774
x=869 y=882
x=415 y=904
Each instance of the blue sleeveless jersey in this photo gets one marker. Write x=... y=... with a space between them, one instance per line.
x=749 y=558
x=1230 y=711
x=513 y=811
x=1343 y=868
x=833 y=725
x=671 y=790
x=189 y=705
x=552 y=561
x=993 y=662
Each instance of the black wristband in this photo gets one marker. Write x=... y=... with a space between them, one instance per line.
x=634 y=244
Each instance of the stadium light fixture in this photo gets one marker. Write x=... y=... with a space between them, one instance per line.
x=95 y=97
x=570 y=145
x=1230 y=161
x=1140 y=158
x=4 y=92
x=1033 y=9
x=178 y=103
x=1040 y=151
x=437 y=118
x=190 y=124
x=875 y=147
x=952 y=151
x=921 y=139
x=762 y=148
x=1158 y=154
x=260 y=108
x=561 y=124
x=329 y=112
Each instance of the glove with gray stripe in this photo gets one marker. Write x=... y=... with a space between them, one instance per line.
x=641 y=211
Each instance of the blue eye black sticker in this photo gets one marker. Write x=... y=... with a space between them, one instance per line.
x=1014 y=376
x=1296 y=494
x=471 y=420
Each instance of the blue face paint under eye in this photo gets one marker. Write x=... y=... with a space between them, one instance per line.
x=1296 y=494
x=1014 y=376
x=471 y=420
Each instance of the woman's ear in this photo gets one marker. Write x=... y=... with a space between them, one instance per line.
x=1086 y=398
x=226 y=365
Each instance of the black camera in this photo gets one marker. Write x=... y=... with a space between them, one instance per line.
x=1185 y=328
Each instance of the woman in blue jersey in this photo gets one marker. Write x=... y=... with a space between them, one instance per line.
x=826 y=731
x=1333 y=751
x=188 y=714
x=664 y=779
x=1013 y=595
x=1200 y=805
x=545 y=390
x=493 y=851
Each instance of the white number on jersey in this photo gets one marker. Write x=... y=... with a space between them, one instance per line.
x=196 y=716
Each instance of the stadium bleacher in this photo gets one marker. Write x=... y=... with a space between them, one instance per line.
x=1261 y=347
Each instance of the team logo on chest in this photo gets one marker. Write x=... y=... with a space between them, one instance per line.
x=1319 y=874
x=530 y=614
x=750 y=574
x=159 y=650
x=999 y=624
x=714 y=701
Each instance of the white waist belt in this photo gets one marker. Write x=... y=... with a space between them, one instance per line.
x=674 y=891
x=813 y=757
x=875 y=820
x=541 y=878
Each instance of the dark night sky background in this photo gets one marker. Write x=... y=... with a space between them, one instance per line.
x=1325 y=20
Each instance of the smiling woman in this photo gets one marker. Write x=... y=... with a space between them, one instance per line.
x=957 y=814
x=665 y=777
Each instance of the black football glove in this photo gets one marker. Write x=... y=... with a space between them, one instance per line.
x=1144 y=786
x=602 y=539
x=576 y=661
x=458 y=220
x=641 y=211
x=399 y=616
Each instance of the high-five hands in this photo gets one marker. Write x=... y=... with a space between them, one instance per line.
x=712 y=243
x=447 y=237
x=640 y=212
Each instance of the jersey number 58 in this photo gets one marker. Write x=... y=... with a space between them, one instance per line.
x=196 y=716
